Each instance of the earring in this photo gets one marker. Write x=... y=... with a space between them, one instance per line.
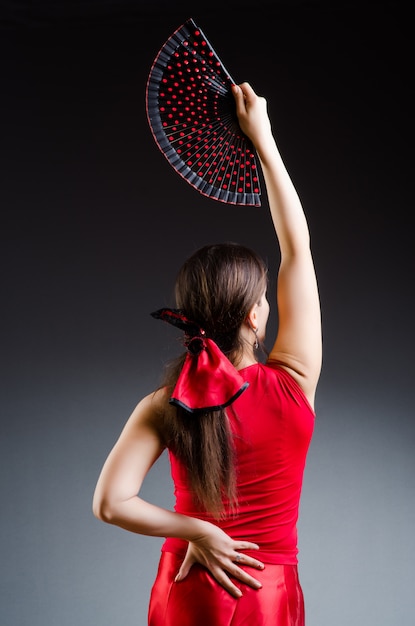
x=256 y=344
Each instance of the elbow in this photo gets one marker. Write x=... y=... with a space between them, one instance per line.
x=102 y=509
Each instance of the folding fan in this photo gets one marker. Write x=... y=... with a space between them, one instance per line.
x=192 y=115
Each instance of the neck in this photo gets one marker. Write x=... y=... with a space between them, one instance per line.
x=248 y=355
x=246 y=362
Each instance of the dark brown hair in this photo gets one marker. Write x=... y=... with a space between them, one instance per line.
x=216 y=287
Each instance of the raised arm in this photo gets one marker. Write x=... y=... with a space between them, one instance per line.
x=298 y=343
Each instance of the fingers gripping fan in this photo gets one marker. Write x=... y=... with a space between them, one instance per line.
x=192 y=115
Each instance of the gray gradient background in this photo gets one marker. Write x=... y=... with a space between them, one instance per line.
x=95 y=224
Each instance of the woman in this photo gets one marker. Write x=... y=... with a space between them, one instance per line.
x=237 y=430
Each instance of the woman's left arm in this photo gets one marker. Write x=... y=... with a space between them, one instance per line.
x=117 y=501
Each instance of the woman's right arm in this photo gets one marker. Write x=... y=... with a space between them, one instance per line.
x=297 y=347
x=117 y=501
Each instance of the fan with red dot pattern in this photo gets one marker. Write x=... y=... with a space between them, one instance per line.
x=192 y=115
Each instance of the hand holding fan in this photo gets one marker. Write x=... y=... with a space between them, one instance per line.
x=192 y=115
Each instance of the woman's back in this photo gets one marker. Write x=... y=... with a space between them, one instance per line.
x=272 y=423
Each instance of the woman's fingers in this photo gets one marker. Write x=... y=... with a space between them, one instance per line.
x=249 y=561
x=247 y=91
x=236 y=569
x=239 y=100
x=251 y=110
x=223 y=579
x=184 y=568
x=220 y=575
x=245 y=545
x=244 y=96
x=243 y=92
x=226 y=579
x=244 y=559
x=228 y=567
x=245 y=577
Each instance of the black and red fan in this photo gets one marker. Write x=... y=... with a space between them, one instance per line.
x=192 y=115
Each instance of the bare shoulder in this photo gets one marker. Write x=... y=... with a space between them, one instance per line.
x=306 y=382
x=150 y=410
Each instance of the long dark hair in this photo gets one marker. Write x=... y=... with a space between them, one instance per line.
x=216 y=287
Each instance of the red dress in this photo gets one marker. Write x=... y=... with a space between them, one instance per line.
x=272 y=423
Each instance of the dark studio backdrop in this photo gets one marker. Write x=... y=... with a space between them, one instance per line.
x=94 y=225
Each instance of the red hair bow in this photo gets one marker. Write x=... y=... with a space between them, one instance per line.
x=208 y=381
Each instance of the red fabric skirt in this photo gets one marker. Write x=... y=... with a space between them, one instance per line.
x=199 y=600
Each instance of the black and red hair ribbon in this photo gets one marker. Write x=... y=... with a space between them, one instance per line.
x=208 y=381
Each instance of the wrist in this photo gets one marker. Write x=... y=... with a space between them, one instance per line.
x=197 y=528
